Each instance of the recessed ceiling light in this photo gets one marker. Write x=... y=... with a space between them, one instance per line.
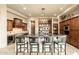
x=61 y=8
x=24 y=8
x=42 y=14
x=30 y=14
x=55 y=14
x=43 y=8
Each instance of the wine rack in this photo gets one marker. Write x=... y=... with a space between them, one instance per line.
x=55 y=26
x=44 y=26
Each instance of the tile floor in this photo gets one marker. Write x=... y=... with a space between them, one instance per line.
x=10 y=50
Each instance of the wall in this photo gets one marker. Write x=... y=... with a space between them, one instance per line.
x=3 y=25
x=72 y=12
x=6 y=13
x=73 y=34
x=13 y=14
x=36 y=24
x=29 y=24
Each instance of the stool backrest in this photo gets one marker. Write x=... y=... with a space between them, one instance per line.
x=62 y=38
x=19 y=38
x=33 y=39
x=47 y=39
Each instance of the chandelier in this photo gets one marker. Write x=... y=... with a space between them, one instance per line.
x=43 y=11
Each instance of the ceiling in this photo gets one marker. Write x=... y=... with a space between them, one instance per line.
x=35 y=9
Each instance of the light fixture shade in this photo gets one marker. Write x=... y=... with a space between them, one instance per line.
x=43 y=8
x=43 y=11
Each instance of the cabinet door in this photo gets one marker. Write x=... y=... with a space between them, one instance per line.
x=78 y=33
x=62 y=27
x=17 y=23
x=76 y=23
x=33 y=27
x=71 y=24
x=78 y=39
x=24 y=26
x=9 y=25
x=75 y=28
x=75 y=38
x=70 y=37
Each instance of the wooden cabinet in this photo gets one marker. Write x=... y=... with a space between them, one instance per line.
x=73 y=36
x=55 y=28
x=9 y=25
x=24 y=26
x=17 y=23
x=33 y=27
x=62 y=27
x=50 y=25
x=78 y=40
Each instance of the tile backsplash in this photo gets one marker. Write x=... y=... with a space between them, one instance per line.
x=15 y=31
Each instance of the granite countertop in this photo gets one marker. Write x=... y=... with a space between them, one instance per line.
x=11 y=33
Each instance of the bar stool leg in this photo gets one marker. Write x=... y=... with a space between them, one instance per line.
x=61 y=48
x=30 y=49
x=27 y=47
x=20 y=48
x=65 y=48
x=38 y=49
x=51 y=50
x=24 y=49
x=16 y=53
x=54 y=47
x=58 y=49
x=16 y=49
x=42 y=48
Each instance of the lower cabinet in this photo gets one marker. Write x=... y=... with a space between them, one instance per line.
x=10 y=40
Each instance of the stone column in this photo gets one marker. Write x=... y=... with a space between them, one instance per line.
x=3 y=25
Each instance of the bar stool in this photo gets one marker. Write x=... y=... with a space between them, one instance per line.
x=60 y=40
x=20 y=43
x=26 y=44
x=34 y=45
x=47 y=43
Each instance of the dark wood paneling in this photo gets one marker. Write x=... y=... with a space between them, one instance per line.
x=33 y=27
x=9 y=25
x=73 y=36
x=24 y=26
x=17 y=23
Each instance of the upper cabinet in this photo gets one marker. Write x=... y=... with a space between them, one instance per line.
x=9 y=25
x=24 y=26
x=17 y=23
x=55 y=26
x=71 y=28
